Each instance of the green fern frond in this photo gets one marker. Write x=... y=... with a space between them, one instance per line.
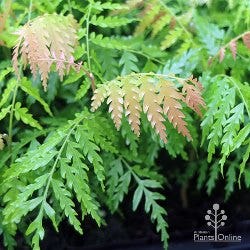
x=213 y=177
x=231 y=179
x=107 y=42
x=106 y=6
x=171 y=38
x=67 y=154
x=159 y=24
x=109 y=70
x=22 y=114
x=221 y=125
x=151 y=11
x=110 y=21
x=128 y=62
x=119 y=179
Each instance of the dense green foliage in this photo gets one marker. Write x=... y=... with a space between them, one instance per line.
x=61 y=159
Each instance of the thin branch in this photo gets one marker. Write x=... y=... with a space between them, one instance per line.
x=10 y=129
x=30 y=10
x=87 y=36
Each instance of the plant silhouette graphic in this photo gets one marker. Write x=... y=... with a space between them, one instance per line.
x=215 y=219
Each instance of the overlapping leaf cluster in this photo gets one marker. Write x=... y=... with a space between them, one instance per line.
x=59 y=162
x=159 y=97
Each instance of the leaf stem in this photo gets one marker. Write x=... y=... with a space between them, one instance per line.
x=30 y=10
x=11 y=116
x=138 y=180
x=15 y=94
x=145 y=55
x=87 y=36
x=89 y=74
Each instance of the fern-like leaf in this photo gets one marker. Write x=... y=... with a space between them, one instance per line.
x=156 y=95
x=172 y=108
x=115 y=102
x=46 y=40
x=213 y=177
x=128 y=62
x=59 y=164
x=193 y=98
x=171 y=38
x=64 y=197
x=149 y=14
x=246 y=39
x=110 y=22
x=160 y=23
x=151 y=106
x=132 y=105
x=22 y=113
x=231 y=128
x=233 y=48
x=223 y=118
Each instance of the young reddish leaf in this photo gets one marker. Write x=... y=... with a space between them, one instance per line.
x=151 y=106
x=132 y=105
x=46 y=40
x=246 y=39
x=233 y=48
x=171 y=98
x=115 y=101
x=193 y=98
x=99 y=95
x=156 y=95
x=222 y=54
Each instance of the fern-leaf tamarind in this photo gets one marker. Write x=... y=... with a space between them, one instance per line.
x=157 y=95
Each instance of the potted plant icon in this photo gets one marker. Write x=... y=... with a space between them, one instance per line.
x=215 y=219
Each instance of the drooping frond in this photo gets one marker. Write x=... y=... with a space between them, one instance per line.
x=224 y=122
x=156 y=95
x=120 y=177
x=47 y=40
x=131 y=105
x=152 y=107
x=148 y=15
x=115 y=102
x=61 y=165
x=171 y=98
x=193 y=96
